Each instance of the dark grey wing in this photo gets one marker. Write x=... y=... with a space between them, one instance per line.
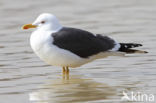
x=82 y=43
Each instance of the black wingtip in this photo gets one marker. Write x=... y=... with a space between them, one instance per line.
x=145 y=52
x=140 y=45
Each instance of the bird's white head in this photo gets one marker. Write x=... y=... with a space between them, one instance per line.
x=45 y=21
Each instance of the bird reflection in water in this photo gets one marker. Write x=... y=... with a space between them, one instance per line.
x=71 y=90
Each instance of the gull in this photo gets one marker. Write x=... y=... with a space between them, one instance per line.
x=58 y=45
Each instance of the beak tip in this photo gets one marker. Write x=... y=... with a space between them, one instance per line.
x=23 y=28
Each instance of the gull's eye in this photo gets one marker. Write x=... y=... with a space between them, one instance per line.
x=42 y=22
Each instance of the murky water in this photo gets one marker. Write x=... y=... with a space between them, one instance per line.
x=26 y=79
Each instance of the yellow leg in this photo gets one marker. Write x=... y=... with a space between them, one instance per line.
x=67 y=70
x=63 y=72
x=67 y=73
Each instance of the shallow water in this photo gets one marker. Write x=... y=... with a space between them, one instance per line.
x=26 y=79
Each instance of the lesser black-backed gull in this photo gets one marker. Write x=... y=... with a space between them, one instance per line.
x=71 y=47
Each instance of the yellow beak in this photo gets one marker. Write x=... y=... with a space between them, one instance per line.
x=28 y=26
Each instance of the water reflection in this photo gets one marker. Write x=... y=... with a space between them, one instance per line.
x=75 y=89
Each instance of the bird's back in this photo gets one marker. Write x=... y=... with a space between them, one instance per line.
x=81 y=42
